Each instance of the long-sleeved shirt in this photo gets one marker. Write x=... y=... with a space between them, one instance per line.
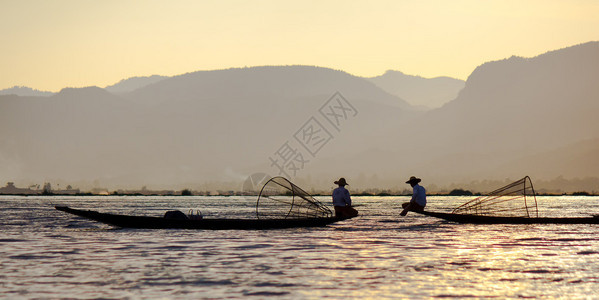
x=419 y=195
x=341 y=197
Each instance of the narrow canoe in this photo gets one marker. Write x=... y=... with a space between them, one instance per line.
x=474 y=219
x=213 y=224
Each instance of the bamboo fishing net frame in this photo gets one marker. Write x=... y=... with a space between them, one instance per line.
x=281 y=199
x=517 y=199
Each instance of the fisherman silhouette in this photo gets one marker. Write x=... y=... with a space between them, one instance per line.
x=418 y=201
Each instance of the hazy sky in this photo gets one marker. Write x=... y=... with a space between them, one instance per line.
x=49 y=45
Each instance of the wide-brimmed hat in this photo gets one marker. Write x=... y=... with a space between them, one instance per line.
x=414 y=179
x=341 y=181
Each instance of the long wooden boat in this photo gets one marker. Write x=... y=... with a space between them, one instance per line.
x=127 y=221
x=476 y=219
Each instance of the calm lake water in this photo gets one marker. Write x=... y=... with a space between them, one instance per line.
x=46 y=253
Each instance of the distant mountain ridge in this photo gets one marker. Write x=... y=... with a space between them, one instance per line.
x=25 y=91
x=419 y=91
x=208 y=127
x=519 y=107
x=424 y=93
x=196 y=126
x=133 y=83
x=123 y=86
x=263 y=82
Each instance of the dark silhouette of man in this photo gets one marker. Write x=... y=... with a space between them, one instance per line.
x=418 y=201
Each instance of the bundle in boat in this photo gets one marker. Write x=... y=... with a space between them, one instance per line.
x=517 y=199
x=281 y=199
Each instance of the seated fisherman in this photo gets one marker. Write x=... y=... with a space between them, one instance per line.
x=342 y=201
x=418 y=201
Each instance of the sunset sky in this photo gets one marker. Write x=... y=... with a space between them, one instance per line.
x=49 y=45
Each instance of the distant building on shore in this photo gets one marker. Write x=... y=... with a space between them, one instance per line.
x=11 y=189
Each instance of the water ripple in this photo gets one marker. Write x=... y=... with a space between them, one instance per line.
x=52 y=255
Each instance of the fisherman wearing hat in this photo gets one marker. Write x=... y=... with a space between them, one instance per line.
x=418 y=201
x=342 y=200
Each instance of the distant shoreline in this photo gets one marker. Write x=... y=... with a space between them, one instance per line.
x=585 y=194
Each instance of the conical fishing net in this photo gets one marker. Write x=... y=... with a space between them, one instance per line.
x=281 y=199
x=516 y=199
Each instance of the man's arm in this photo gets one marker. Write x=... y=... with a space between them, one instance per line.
x=415 y=195
x=347 y=198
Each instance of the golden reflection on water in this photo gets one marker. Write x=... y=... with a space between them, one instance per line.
x=460 y=261
x=378 y=255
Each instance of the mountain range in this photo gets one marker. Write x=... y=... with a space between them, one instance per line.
x=24 y=91
x=513 y=117
x=422 y=92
